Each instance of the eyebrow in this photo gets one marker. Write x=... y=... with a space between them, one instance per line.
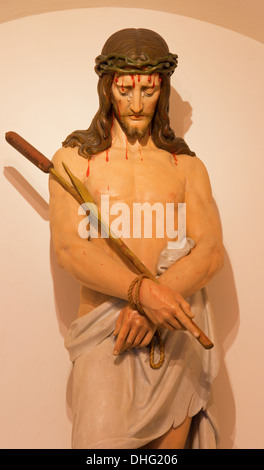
x=130 y=87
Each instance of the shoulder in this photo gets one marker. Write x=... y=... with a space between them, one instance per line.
x=195 y=175
x=71 y=158
x=191 y=163
x=192 y=167
x=65 y=154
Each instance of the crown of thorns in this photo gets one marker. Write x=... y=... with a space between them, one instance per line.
x=123 y=64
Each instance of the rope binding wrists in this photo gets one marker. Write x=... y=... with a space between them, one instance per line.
x=135 y=303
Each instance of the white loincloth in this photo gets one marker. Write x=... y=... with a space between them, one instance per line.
x=121 y=402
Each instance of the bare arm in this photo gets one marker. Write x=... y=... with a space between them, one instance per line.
x=85 y=261
x=193 y=272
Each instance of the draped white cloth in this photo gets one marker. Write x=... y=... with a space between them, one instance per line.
x=121 y=402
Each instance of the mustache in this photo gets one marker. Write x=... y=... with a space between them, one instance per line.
x=135 y=114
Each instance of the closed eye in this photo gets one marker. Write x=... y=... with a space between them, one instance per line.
x=148 y=91
x=124 y=91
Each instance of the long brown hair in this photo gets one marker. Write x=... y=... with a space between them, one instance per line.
x=136 y=44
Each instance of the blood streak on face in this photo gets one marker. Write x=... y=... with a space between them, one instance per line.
x=133 y=80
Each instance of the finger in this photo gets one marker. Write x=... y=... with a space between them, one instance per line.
x=186 y=308
x=186 y=322
x=146 y=340
x=138 y=337
x=169 y=321
x=172 y=324
x=119 y=322
x=131 y=340
x=121 y=338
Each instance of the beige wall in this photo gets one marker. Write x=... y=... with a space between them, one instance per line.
x=48 y=88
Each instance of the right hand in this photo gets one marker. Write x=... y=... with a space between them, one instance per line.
x=166 y=308
x=132 y=330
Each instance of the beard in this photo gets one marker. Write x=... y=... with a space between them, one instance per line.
x=131 y=132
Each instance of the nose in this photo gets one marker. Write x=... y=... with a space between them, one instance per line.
x=136 y=103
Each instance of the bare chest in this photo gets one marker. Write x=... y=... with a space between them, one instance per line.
x=137 y=178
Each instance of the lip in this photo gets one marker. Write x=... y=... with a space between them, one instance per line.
x=135 y=117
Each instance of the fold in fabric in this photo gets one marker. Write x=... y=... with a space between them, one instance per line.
x=120 y=402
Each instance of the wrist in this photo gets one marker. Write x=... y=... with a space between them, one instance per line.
x=146 y=290
x=134 y=290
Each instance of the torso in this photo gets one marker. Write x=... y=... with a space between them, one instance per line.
x=152 y=176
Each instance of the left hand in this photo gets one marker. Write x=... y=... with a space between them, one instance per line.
x=133 y=330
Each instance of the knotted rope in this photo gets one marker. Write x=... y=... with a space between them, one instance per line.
x=135 y=303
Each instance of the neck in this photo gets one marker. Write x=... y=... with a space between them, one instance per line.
x=121 y=140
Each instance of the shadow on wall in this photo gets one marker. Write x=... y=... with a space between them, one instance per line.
x=221 y=289
x=27 y=191
x=180 y=114
x=66 y=289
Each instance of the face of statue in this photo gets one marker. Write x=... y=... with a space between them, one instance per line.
x=134 y=99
